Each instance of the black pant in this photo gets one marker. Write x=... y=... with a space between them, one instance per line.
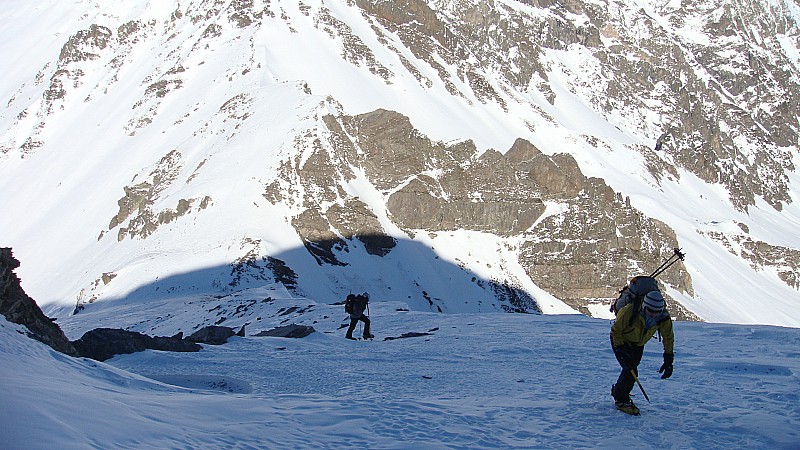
x=354 y=321
x=624 y=385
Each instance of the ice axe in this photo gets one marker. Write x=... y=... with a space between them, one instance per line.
x=640 y=385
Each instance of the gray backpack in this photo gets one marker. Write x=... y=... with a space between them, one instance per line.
x=639 y=286
x=634 y=293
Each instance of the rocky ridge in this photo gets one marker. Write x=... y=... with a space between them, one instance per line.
x=714 y=76
x=18 y=308
x=573 y=251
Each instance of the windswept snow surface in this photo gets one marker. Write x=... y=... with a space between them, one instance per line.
x=475 y=381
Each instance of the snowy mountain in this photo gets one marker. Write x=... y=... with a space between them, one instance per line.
x=456 y=156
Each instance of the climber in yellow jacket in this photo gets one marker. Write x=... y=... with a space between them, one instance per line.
x=629 y=333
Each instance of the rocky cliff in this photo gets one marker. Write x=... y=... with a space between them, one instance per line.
x=570 y=136
x=18 y=308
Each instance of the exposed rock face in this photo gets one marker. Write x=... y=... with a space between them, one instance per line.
x=634 y=64
x=18 y=308
x=495 y=193
x=136 y=206
x=468 y=192
x=710 y=89
x=325 y=217
x=99 y=344
x=212 y=334
x=785 y=261
x=578 y=239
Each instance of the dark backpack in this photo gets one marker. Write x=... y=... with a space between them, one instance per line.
x=634 y=293
x=348 y=303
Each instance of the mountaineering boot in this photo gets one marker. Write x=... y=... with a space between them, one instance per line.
x=368 y=336
x=628 y=408
x=351 y=337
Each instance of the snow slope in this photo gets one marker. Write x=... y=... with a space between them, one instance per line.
x=475 y=381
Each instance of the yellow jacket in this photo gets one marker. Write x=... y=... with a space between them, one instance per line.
x=625 y=332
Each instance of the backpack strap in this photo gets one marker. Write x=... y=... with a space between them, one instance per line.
x=637 y=306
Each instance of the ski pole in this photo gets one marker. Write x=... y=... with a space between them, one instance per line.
x=640 y=385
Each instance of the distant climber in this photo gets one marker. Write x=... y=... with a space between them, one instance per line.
x=355 y=305
x=636 y=323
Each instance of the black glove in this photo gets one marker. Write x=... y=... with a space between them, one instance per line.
x=624 y=357
x=666 y=368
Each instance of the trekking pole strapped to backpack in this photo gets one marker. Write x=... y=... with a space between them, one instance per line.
x=677 y=255
x=639 y=286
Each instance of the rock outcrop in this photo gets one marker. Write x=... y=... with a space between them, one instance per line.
x=708 y=92
x=103 y=343
x=18 y=308
x=288 y=331
x=99 y=344
x=576 y=237
x=213 y=335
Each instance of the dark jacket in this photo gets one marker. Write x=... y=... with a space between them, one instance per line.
x=359 y=306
